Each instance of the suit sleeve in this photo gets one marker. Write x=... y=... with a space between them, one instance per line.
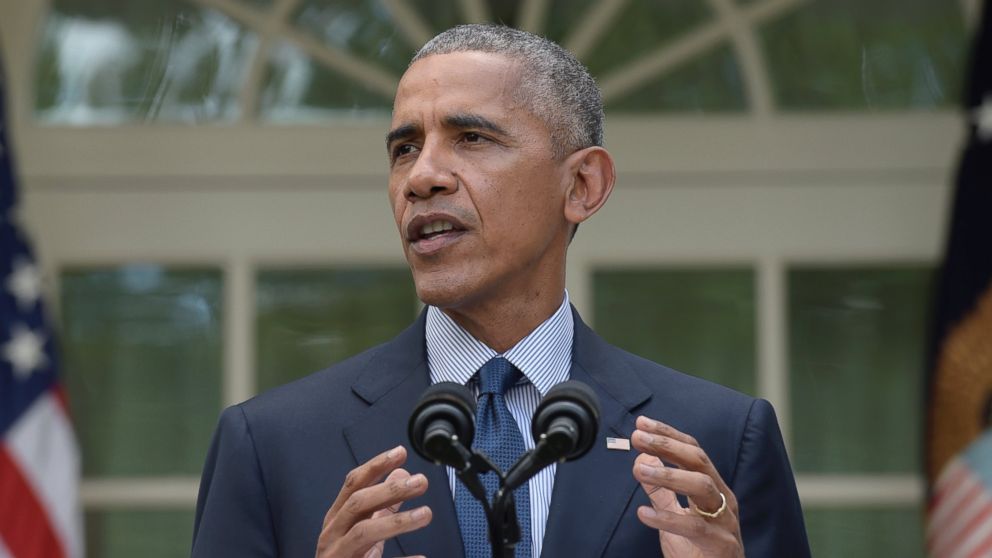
x=770 y=513
x=232 y=510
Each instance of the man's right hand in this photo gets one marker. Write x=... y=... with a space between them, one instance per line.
x=366 y=511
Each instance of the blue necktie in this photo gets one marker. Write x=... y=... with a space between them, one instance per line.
x=497 y=436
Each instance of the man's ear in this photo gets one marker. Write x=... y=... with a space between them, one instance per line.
x=593 y=177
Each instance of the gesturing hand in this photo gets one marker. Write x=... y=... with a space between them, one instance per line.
x=366 y=511
x=709 y=527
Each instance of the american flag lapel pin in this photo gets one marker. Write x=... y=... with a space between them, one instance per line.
x=620 y=444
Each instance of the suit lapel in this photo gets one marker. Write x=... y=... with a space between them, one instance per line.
x=591 y=494
x=392 y=384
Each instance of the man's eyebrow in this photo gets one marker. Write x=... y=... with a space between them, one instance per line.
x=473 y=121
x=401 y=132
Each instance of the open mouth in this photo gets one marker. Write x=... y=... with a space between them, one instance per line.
x=435 y=229
x=430 y=233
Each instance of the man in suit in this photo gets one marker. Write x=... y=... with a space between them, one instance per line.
x=495 y=156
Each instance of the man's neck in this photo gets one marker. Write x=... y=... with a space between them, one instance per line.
x=502 y=324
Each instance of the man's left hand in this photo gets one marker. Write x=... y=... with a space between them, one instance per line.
x=709 y=527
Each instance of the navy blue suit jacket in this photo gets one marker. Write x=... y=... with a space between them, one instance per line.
x=277 y=461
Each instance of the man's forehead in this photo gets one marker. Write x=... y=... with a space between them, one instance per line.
x=472 y=69
x=458 y=83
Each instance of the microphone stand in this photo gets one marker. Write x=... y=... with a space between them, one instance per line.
x=501 y=515
x=504 y=528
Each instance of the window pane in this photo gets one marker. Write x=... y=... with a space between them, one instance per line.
x=699 y=321
x=710 y=82
x=142 y=347
x=116 y=61
x=563 y=16
x=504 y=11
x=856 y=350
x=261 y=4
x=850 y=54
x=309 y=319
x=364 y=28
x=865 y=532
x=641 y=28
x=439 y=14
x=299 y=90
x=145 y=533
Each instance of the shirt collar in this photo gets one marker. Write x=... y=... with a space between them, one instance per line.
x=544 y=356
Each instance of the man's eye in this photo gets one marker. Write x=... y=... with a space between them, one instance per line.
x=402 y=149
x=472 y=137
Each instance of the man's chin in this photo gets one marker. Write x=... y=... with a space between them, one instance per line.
x=438 y=295
x=443 y=291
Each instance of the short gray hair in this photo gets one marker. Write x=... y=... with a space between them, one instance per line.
x=558 y=88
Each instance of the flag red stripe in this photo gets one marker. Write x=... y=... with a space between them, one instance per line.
x=59 y=392
x=939 y=530
x=984 y=549
x=950 y=479
x=976 y=520
x=24 y=525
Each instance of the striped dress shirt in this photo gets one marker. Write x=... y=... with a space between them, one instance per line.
x=544 y=357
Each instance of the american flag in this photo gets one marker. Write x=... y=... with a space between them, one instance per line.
x=39 y=459
x=959 y=422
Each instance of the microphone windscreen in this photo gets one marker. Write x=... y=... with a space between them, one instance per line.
x=578 y=403
x=448 y=405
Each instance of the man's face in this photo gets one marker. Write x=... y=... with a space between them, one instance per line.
x=476 y=191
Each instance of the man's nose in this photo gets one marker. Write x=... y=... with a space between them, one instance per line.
x=432 y=174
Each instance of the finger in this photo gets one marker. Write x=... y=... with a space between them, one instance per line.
x=365 y=475
x=661 y=497
x=389 y=494
x=659 y=439
x=653 y=426
x=701 y=532
x=699 y=487
x=674 y=446
x=366 y=533
x=395 y=476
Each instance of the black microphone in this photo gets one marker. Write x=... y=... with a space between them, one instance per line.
x=442 y=426
x=568 y=419
x=564 y=428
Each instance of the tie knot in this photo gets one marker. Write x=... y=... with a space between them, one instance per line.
x=497 y=376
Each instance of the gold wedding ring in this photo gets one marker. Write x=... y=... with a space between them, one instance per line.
x=717 y=513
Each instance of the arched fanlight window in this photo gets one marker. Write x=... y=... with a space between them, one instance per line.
x=314 y=61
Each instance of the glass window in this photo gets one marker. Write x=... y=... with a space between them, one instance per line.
x=145 y=533
x=439 y=14
x=142 y=348
x=642 y=27
x=299 y=90
x=865 y=532
x=563 y=16
x=261 y=4
x=699 y=321
x=851 y=54
x=365 y=28
x=116 y=61
x=505 y=11
x=710 y=83
x=856 y=352
x=308 y=319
